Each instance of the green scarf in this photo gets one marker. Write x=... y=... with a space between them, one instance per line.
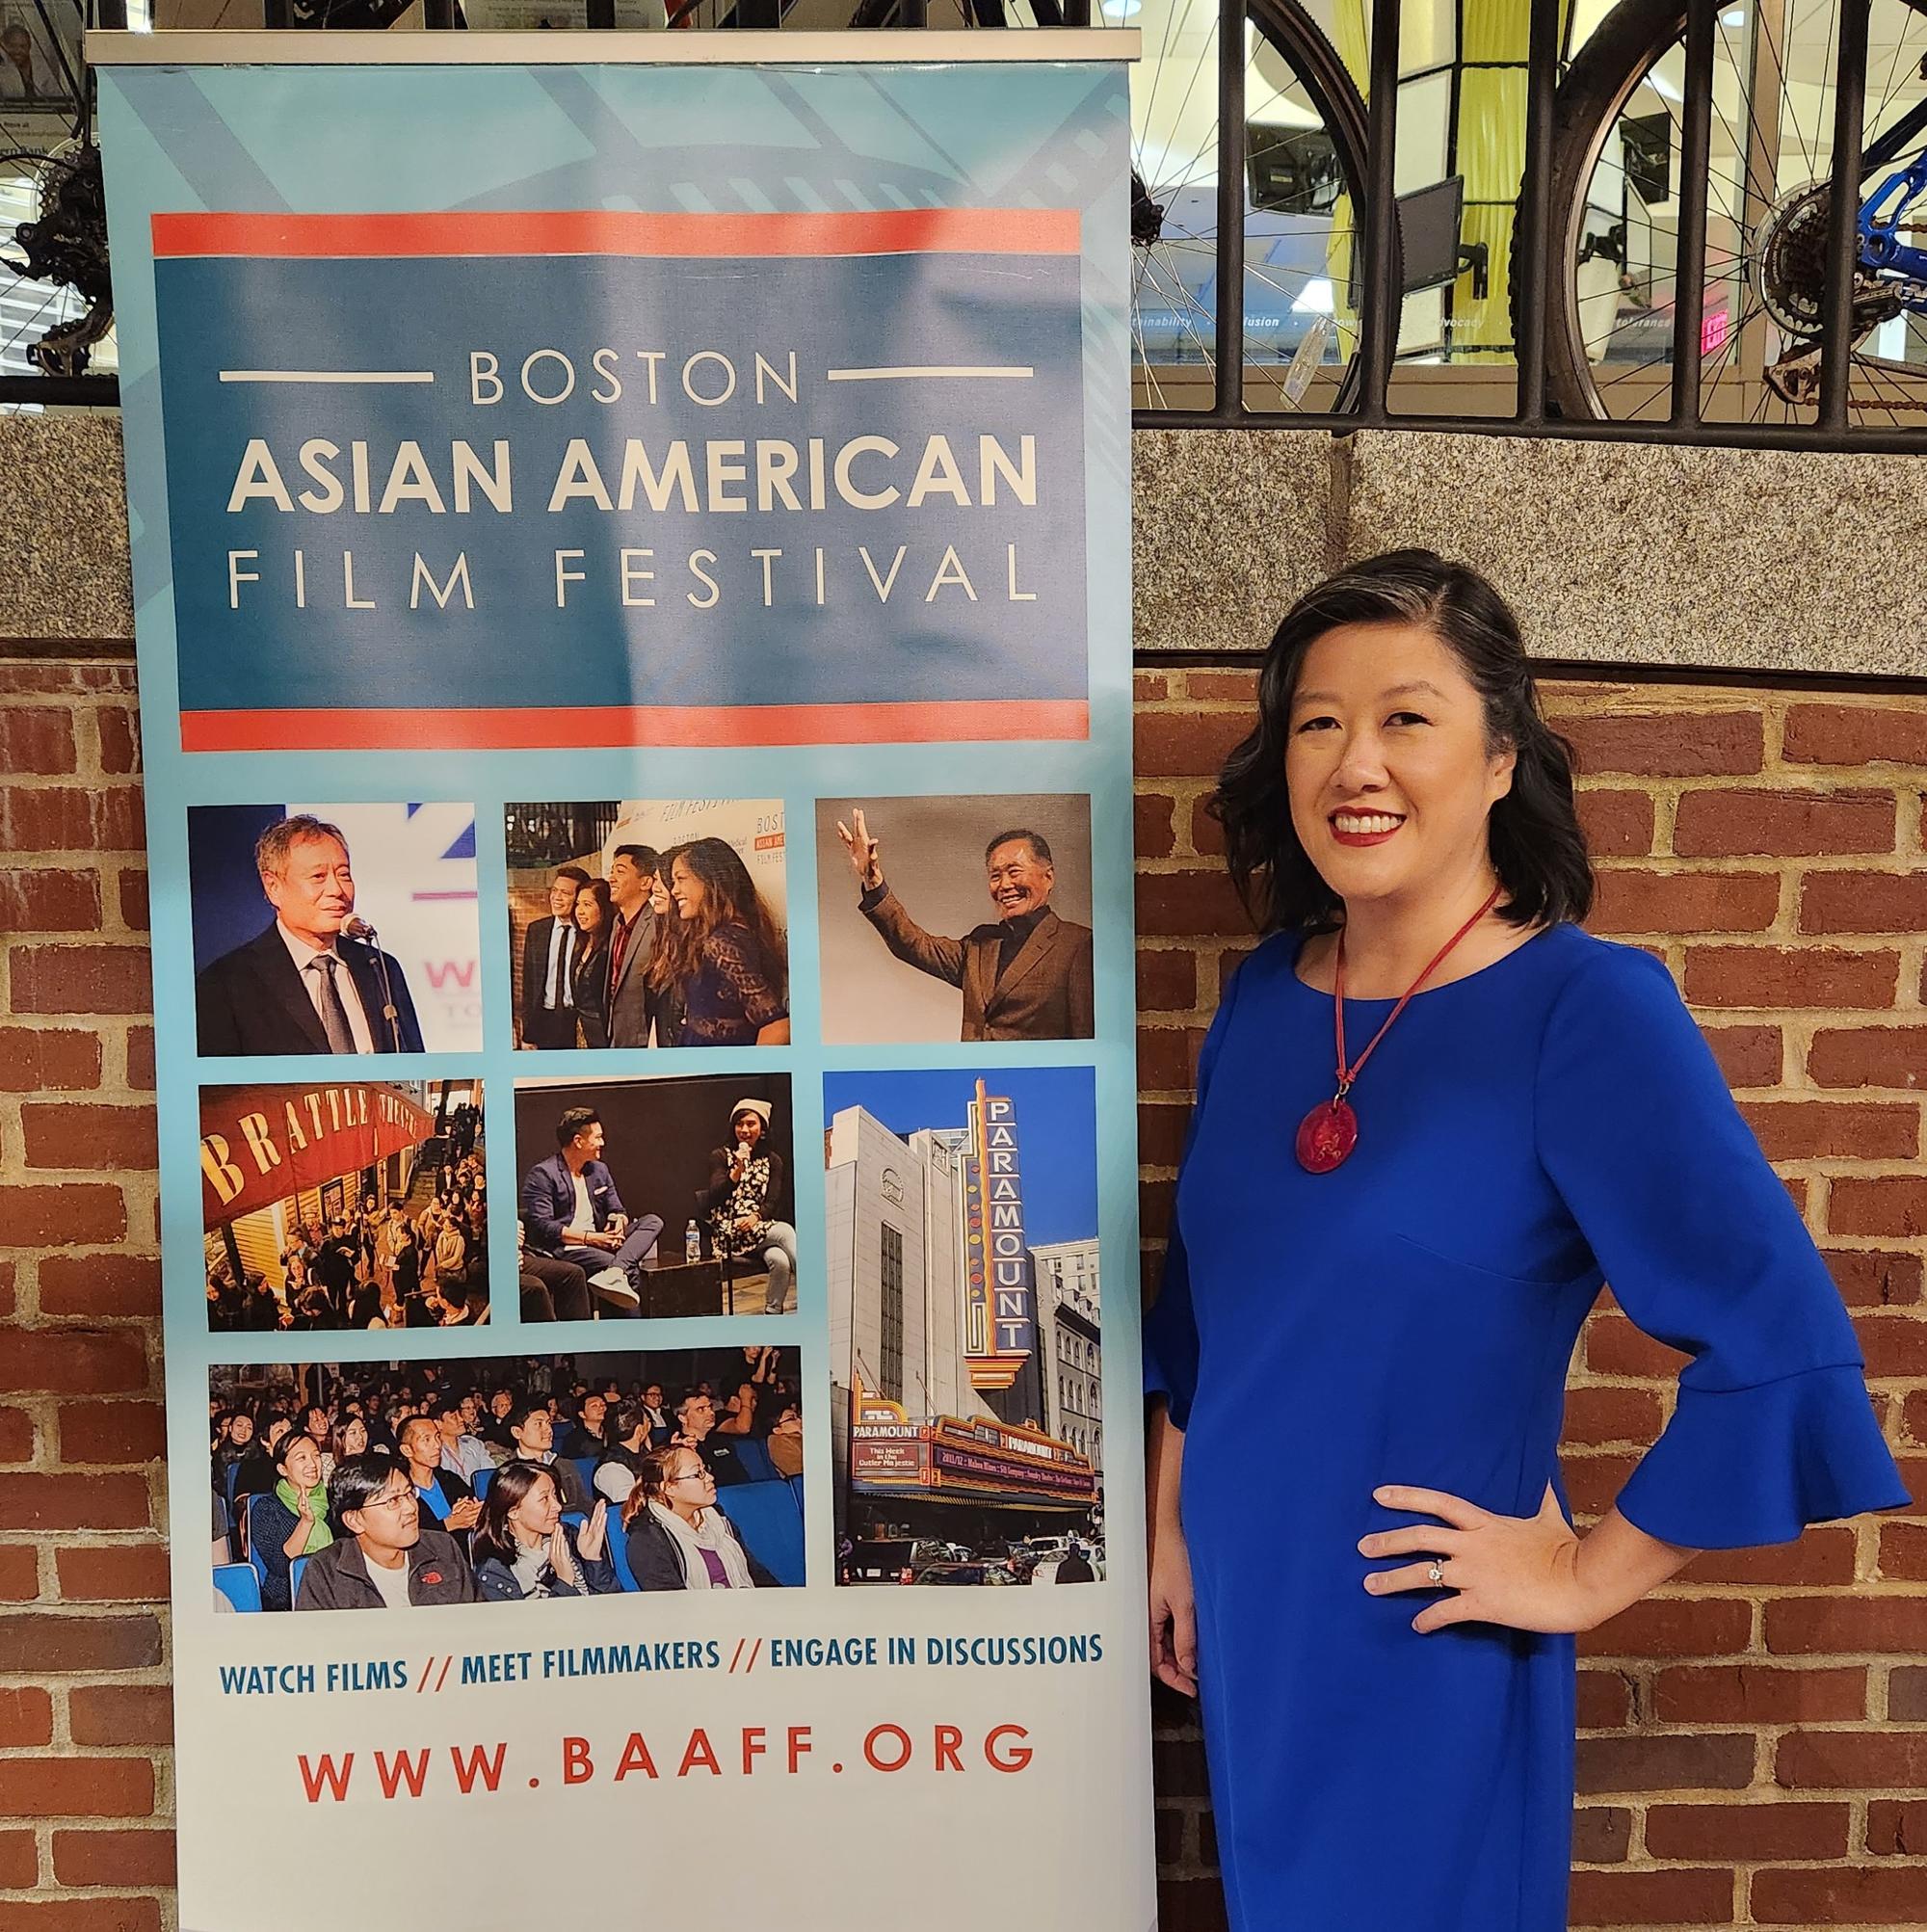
x=320 y=1536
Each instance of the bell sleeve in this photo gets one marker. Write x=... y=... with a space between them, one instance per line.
x=1704 y=1250
x=1170 y=1325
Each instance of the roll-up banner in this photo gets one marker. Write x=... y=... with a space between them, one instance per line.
x=630 y=556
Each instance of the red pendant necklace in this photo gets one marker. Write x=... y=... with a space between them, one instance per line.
x=1330 y=1131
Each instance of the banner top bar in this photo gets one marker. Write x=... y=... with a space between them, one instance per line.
x=916 y=47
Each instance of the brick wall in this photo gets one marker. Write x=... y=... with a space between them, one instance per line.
x=1770 y=846
x=1754 y=1737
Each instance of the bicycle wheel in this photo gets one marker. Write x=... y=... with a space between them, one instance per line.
x=1306 y=138
x=56 y=302
x=1611 y=275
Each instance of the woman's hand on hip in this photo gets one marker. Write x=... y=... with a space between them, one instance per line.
x=1519 y=1571
x=1173 y=1623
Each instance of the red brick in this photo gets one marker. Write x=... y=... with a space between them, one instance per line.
x=120 y=738
x=72 y=1360
x=1863 y=902
x=1861 y=1896
x=1913 y=1418
x=1868 y=1056
x=1685 y=902
x=1896 y=1828
x=1152 y=834
x=1150 y=687
x=1749 y=1057
x=1167 y=980
x=120 y=1713
x=16 y=1435
x=1235 y=687
x=6 y=1287
x=1617 y=824
x=19 y=1861
x=1782 y=824
x=1168 y=1058
x=1811 y=1625
x=76 y=1788
x=1668 y=744
x=46 y=1643
x=1672 y=1762
x=125 y=1572
x=1161 y=1134
x=1672 y=1627
x=112 y=1432
x=1903 y=1552
x=49 y=900
x=36 y=1499
x=1676 y=1897
x=1751 y=1832
x=67 y=818
x=1611 y=1415
x=1207 y=832
x=1186 y=903
x=20 y=1574
x=1887 y=1205
x=114 y=1858
x=1758 y=1694
x=1815 y=1129
x=1605 y=1700
x=1906 y=1694
x=37 y=738
x=48 y=1060
x=26 y=1717
x=100 y=1285
x=82 y=979
x=141 y=1059
x=1866 y=1276
x=1594 y=1479
x=1806 y=976
x=114 y=1140
x=1154 y=1198
x=134 y=898
x=1894 y=1345
x=1187 y=744
x=1820 y=1557
x=1855 y=734
x=1614 y=1346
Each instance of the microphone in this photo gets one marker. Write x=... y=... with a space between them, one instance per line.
x=359 y=928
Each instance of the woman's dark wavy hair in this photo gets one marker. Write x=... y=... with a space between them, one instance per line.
x=1536 y=844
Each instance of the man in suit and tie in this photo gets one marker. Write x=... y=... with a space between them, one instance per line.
x=1027 y=975
x=632 y=878
x=549 y=948
x=307 y=985
x=570 y=1209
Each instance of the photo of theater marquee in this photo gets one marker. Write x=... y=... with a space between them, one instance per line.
x=968 y=1398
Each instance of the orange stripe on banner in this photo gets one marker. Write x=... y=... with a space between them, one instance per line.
x=698 y=728
x=617 y=231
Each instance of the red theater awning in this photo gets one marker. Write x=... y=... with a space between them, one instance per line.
x=260 y=1145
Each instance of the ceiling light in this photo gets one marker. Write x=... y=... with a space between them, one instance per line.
x=1121 y=9
x=1734 y=17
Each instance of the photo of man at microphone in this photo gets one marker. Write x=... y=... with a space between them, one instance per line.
x=318 y=977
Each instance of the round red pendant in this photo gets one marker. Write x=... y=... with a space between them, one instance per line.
x=1326 y=1136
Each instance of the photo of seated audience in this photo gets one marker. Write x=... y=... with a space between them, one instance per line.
x=649 y=922
x=338 y=1207
x=661 y=1198
x=501 y=1479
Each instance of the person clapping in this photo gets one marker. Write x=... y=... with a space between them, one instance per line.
x=524 y=1550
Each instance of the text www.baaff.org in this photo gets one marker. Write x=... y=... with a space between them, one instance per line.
x=470 y=1770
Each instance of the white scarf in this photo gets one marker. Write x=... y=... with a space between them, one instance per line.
x=712 y=1533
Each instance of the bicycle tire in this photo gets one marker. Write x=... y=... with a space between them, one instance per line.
x=1593 y=90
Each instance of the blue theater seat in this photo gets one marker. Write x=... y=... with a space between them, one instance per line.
x=771 y=1525
x=294 y=1570
x=239 y=1585
x=755 y=1458
x=479 y=1482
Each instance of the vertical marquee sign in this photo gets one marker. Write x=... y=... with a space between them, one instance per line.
x=699 y=435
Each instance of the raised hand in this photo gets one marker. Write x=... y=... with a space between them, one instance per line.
x=864 y=860
x=594 y=1533
x=466 y=1514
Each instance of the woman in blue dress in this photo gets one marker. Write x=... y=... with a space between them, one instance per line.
x=1392 y=1217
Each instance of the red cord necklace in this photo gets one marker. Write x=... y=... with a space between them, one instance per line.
x=1330 y=1131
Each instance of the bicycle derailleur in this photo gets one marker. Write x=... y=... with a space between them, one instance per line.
x=68 y=248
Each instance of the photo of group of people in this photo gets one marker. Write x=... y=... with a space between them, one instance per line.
x=368 y=1485
x=344 y=1205
x=660 y=1197
x=639 y=923
x=287 y=954
x=966 y=1340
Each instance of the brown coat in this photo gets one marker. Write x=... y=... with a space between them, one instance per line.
x=1046 y=994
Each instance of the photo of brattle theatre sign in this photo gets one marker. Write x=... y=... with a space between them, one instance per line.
x=966 y=1350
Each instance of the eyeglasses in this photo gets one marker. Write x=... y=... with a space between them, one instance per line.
x=390 y=1501
x=689 y=1476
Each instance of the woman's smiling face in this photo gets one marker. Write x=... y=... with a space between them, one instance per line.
x=1390 y=778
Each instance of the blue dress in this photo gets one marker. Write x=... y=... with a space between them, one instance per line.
x=1547 y=1124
